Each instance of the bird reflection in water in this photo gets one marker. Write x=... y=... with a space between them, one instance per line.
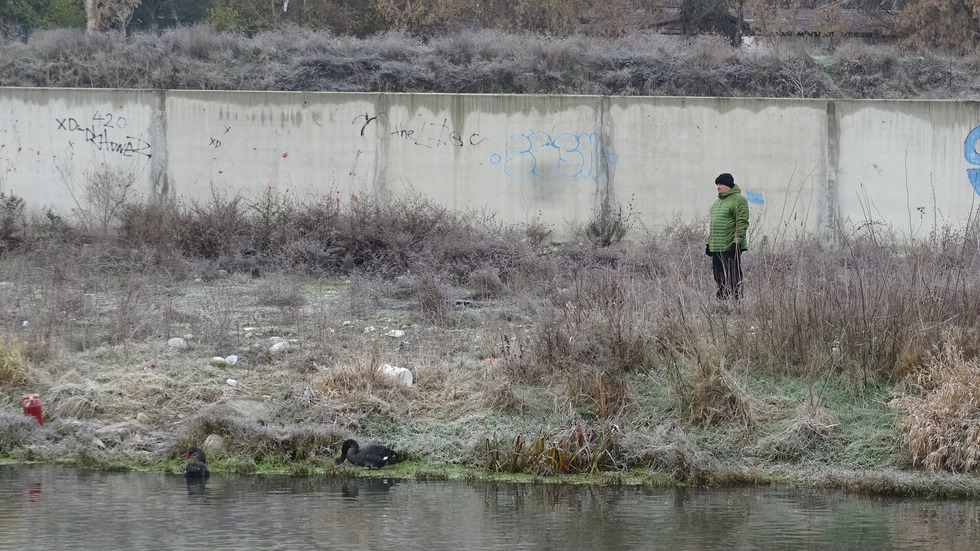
x=196 y=487
x=353 y=488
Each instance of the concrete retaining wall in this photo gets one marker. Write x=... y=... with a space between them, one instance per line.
x=815 y=166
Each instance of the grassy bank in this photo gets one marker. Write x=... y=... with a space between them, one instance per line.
x=483 y=61
x=606 y=359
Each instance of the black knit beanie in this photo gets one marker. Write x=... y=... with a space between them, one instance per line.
x=725 y=179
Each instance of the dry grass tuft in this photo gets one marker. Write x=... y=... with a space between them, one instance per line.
x=601 y=393
x=669 y=449
x=16 y=429
x=942 y=429
x=811 y=425
x=500 y=393
x=261 y=442
x=712 y=394
x=353 y=389
x=14 y=367
x=575 y=448
x=75 y=400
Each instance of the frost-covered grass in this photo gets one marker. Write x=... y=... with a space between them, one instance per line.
x=527 y=356
x=481 y=61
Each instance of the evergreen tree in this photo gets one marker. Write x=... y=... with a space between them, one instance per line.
x=41 y=14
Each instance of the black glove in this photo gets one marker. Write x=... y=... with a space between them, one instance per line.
x=707 y=249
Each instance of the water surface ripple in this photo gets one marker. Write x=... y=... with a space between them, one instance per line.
x=44 y=507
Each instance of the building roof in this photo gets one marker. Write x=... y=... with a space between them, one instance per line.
x=823 y=21
x=800 y=21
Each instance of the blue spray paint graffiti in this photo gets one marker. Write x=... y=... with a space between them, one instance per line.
x=754 y=197
x=973 y=157
x=569 y=155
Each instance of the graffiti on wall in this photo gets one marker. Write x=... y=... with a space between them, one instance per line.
x=215 y=142
x=973 y=157
x=540 y=155
x=423 y=132
x=106 y=132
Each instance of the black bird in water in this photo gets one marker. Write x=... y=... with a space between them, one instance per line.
x=371 y=455
x=196 y=469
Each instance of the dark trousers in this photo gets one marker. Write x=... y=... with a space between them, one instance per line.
x=727 y=267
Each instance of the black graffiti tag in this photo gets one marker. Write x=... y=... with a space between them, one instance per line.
x=131 y=147
x=98 y=134
x=426 y=134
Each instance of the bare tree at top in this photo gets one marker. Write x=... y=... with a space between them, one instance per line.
x=100 y=15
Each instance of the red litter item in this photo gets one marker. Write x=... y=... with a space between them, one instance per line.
x=32 y=407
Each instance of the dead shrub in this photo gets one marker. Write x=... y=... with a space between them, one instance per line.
x=486 y=283
x=364 y=293
x=282 y=292
x=101 y=199
x=941 y=427
x=145 y=225
x=386 y=235
x=434 y=298
x=12 y=221
x=211 y=229
x=865 y=71
x=601 y=320
x=608 y=227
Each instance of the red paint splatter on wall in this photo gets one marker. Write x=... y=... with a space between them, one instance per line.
x=284 y=155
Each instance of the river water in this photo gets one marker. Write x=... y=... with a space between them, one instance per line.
x=45 y=507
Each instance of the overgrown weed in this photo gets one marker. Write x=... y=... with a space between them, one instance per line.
x=481 y=60
x=14 y=366
x=940 y=426
x=576 y=448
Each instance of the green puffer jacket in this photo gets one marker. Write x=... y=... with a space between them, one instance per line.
x=729 y=221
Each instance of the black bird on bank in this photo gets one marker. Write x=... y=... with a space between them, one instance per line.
x=196 y=469
x=369 y=456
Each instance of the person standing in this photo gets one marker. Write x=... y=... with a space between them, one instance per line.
x=726 y=237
